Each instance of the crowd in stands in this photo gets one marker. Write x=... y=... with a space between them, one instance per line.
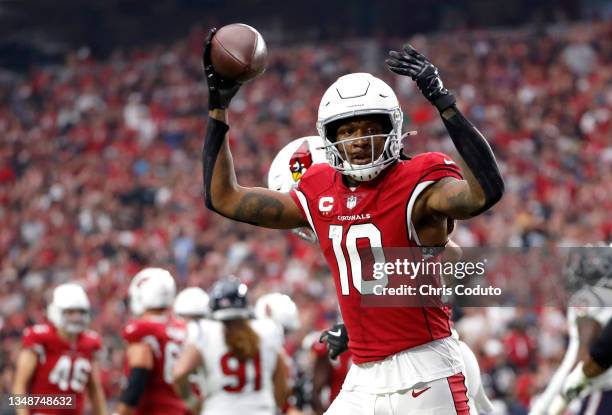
x=100 y=175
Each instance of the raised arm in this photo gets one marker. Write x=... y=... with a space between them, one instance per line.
x=254 y=205
x=483 y=186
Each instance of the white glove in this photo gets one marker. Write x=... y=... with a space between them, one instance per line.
x=575 y=383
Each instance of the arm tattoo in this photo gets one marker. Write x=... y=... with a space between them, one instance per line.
x=258 y=209
x=459 y=200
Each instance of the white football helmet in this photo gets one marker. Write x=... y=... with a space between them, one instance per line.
x=289 y=166
x=280 y=308
x=151 y=288
x=69 y=297
x=353 y=95
x=192 y=302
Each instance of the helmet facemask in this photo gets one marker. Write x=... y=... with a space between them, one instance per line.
x=338 y=155
x=75 y=320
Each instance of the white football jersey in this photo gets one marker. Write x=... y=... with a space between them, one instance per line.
x=233 y=387
x=593 y=302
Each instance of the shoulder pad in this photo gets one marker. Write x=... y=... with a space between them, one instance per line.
x=137 y=329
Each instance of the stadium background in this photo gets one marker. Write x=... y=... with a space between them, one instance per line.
x=102 y=116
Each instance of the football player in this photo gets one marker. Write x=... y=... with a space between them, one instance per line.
x=59 y=357
x=586 y=372
x=154 y=340
x=191 y=304
x=290 y=164
x=279 y=308
x=331 y=357
x=332 y=361
x=241 y=357
x=589 y=275
x=367 y=197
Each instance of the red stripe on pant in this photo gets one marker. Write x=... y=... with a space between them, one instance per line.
x=459 y=392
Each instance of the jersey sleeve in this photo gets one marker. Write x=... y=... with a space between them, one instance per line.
x=194 y=333
x=135 y=331
x=436 y=166
x=430 y=167
x=144 y=332
x=35 y=336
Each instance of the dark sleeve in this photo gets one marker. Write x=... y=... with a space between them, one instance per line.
x=215 y=133
x=135 y=386
x=476 y=153
x=601 y=348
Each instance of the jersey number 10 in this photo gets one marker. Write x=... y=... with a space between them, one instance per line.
x=367 y=231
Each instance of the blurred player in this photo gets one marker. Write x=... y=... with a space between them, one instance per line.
x=332 y=361
x=192 y=304
x=241 y=357
x=586 y=372
x=290 y=164
x=279 y=308
x=154 y=342
x=589 y=275
x=370 y=196
x=59 y=357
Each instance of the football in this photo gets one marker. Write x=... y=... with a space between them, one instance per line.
x=238 y=52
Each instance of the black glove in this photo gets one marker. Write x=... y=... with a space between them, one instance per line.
x=220 y=90
x=411 y=63
x=336 y=339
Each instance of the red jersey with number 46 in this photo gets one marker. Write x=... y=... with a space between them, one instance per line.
x=63 y=366
x=349 y=223
x=165 y=337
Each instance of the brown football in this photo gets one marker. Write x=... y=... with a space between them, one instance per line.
x=238 y=52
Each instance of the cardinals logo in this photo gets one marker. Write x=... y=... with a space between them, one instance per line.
x=300 y=161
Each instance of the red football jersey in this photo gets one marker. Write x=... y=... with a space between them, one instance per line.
x=376 y=214
x=339 y=368
x=165 y=337
x=63 y=366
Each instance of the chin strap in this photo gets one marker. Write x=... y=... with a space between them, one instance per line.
x=477 y=154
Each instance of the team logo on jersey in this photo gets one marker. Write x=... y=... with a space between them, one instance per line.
x=326 y=204
x=351 y=201
x=300 y=161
